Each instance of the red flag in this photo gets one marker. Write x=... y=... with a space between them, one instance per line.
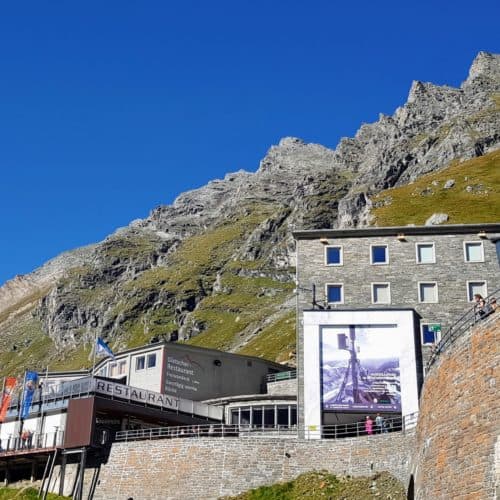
x=10 y=385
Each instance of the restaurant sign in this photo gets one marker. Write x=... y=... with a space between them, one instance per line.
x=135 y=394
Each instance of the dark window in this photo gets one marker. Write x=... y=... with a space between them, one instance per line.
x=379 y=254
x=333 y=255
x=139 y=363
x=269 y=417
x=283 y=416
x=257 y=417
x=151 y=360
x=234 y=417
x=334 y=293
x=293 y=416
x=245 y=416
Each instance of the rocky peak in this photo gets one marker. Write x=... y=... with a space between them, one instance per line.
x=485 y=66
x=295 y=157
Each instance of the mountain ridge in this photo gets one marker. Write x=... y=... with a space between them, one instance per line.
x=221 y=257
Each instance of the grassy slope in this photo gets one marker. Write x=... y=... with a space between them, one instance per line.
x=276 y=341
x=315 y=485
x=25 y=494
x=416 y=202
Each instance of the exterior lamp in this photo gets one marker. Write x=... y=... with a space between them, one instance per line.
x=481 y=234
x=324 y=241
x=401 y=237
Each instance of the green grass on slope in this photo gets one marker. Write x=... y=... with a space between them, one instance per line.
x=25 y=494
x=316 y=485
x=275 y=342
x=245 y=301
x=23 y=344
x=474 y=198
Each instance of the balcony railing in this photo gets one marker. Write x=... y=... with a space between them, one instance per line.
x=58 y=397
x=337 y=431
x=277 y=377
x=30 y=442
x=471 y=317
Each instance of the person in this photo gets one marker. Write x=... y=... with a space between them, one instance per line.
x=479 y=304
x=369 y=425
x=487 y=308
x=493 y=304
x=24 y=438
x=380 y=423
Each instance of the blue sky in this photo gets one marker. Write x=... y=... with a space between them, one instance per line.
x=108 y=109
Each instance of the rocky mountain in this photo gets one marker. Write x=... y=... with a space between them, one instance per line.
x=216 y=268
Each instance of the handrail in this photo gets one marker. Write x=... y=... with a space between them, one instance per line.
x=135 y=395
x=278 y=377
x=337 y=431
x=472 y=316
x=32 y=441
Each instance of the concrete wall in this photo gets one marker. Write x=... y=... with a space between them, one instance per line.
x=458 y=434
x=283 y=387
x=208 y=468
x=147 y=378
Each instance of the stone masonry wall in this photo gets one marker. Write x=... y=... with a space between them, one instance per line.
x=194 y=468
x=450 y=272
x=458 y=434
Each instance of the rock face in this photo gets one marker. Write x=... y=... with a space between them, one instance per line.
x=201 y=264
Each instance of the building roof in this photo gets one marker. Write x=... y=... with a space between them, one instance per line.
x=192 y=348
x=487 y=230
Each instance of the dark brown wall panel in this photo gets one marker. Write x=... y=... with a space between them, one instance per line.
x=80 y=421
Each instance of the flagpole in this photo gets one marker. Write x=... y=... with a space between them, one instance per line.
x=95 y=352
x=3 y=391
x=21 y=408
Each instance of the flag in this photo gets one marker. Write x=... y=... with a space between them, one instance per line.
x=102 y=348
x=30 y=385
x=9 y=386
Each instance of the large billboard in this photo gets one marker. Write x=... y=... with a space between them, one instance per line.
x=360 y=368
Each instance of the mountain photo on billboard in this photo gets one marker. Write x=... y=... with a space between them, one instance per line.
x=361 y=368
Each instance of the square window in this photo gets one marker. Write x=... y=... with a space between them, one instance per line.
x=333 y=256
x=431 y=333
x=113 y=371
x=473 y=251
x=151 y=360
x=381 y=293
x=427 y=292
x=139 y=363
x=122 y=367
x=426 y=253
x=334 y=294
x=476 y=288
x=379 y=254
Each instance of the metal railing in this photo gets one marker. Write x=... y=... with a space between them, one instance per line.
x=471 y=317
x=337 y=431
x=58 y=397
x=277 y=377
x=51 y=398
x=32 y=441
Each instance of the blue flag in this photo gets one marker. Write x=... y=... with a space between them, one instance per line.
x=102 y=348
x=30 y=385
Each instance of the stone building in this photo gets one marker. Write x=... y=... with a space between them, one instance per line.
x=413 y=280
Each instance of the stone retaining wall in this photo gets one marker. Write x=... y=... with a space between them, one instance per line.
x=192 y=468
x=458 y=434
